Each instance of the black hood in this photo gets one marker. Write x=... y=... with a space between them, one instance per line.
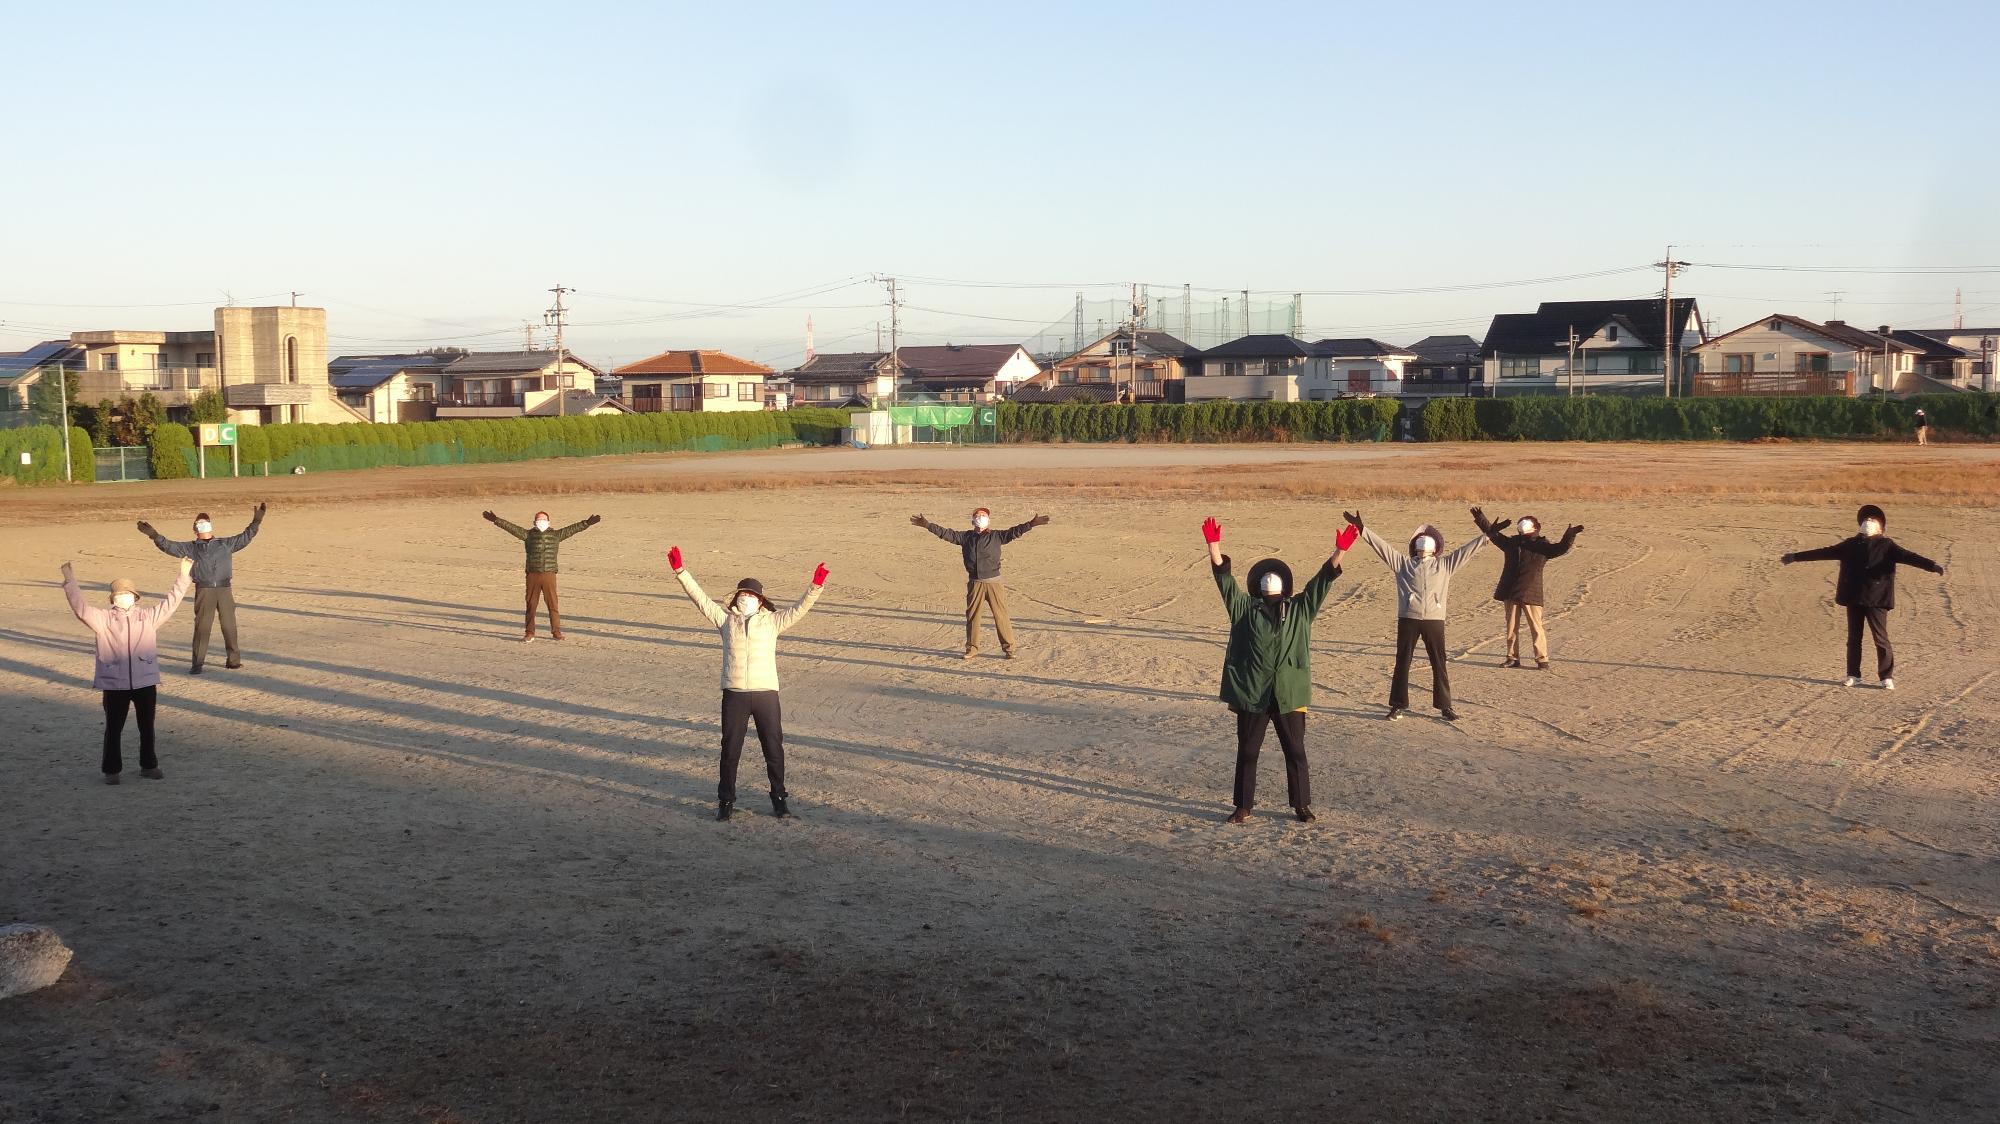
x=1536 y=533
x=1255 y=582
x=1870 y=511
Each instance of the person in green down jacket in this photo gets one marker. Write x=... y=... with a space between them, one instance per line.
x=1267 y=672
x=541 y=543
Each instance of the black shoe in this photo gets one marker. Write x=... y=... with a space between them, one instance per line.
x=1511 y=663
x=1240 y=815
x=233 y=664
x=1395 y=712
x=778 y=808
x=195 y=670
x=1448 y=714
x=724 y=810
x=1305 y=813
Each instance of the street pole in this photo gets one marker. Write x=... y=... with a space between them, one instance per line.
x=1571 y=369
x=555 y=316
x=69 y=471
x=1986 y=353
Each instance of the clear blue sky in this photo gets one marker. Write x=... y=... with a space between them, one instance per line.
x=426 y=171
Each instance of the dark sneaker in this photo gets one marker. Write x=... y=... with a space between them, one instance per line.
x=724 y=810
x=1305 y=814
x=195 y=670
x=1511 y=663
x=1448 y=714
x=152 y=774
x=1240 y=815
x=1395 y=712
x=778 y=808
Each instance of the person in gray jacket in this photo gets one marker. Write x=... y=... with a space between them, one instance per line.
x=750 y=627
x=981 y=548
x=1423 y=590
x=214 y=570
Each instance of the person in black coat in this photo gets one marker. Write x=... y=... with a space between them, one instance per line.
x=1867 y=587
x=1520 y=587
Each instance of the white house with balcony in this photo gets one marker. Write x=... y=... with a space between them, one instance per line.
x=1619 y=345
x=1270 y=368
x=1365 y=368
x=1781 y=354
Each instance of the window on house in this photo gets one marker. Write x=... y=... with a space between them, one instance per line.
x=1232 y=368
x=1611 y=333
x=1739 y=364
x=204 y=358
x=291 y=358
x=717 y=389
x=1810 y=362
x=1519 y=367
x=746 y=392
x=1121 y=347
x=110 y=360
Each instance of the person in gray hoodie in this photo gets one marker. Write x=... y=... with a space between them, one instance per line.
x=749 y=626
x=1423 y=591
x=128 y=662
x=214 y=571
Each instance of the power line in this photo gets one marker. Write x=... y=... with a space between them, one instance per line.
x=1878 y=270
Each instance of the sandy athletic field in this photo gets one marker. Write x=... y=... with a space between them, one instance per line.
x=404 y=868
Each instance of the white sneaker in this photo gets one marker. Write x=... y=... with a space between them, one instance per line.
x=1888 y=684
x=1850 y=681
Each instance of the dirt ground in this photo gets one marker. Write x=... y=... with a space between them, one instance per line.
x=406 y=868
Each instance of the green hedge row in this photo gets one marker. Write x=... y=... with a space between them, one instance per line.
x=1605 y=418
x=280 y=448
x=1345 y=419
x=43 y=444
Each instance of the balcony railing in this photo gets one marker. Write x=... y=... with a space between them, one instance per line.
x=483 y=401
x=665 y=405
x=1785 y=384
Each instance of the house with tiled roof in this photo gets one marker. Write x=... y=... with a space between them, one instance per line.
x=1784 y=354
x=1444 y=366
x=1364 y=367
x=1620 y=346
x=1277 y=368
x=963 y=372
x=507 y=384
x=1981 y=347
x=390 y=388
x=1143 y=365
x=842 y=378
x=696 y=380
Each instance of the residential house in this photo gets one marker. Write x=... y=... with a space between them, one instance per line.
x=268 y=363
x=692 y=382
x=844 y=378
x=21 y=370
x=1935 y=360
x=1364 y=368
x=1274 y=367
x=1146 y=365
x=1981 y=347
x=1620 y=346
x=964 y=372
x=1445 y=366
x=507 y=384
x=576 y=404
x=1781 y=354
x=391 y=388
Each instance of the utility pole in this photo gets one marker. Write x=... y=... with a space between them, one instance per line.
x=1187 y=314
x=1667 y=376
x=1246 y=312
x=295 y=298
x=1077 y=333
x=1298 y=316
x=556 y=317
x=62 y=374
x=1987 y=355
x=1957 y=309
x=527 y=336
x=1571 y=369
x=895 y=346
x=1132 y=345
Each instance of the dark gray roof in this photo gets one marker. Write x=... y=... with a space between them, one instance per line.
x=1067 y=393
x=48 y=353
x=1168 y=345
x=576 y=402
x=1446 y=349
x=366 y=372
x=1536 y=333
x=1260 y=347
x=839 y=366
x=1363 y=348
x=1931 y=346
x=510 y=362
x=955 y=364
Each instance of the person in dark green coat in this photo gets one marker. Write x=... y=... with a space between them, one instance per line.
x=1267 y=672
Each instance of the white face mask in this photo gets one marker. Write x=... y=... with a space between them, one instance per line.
x=124 y=600
x=1272 y=584
x=1424 y=545
x=979 y=522
x=1529 y=526
x=204 y=527
x=1870 y=528
x=541 y=524
x=748 y=604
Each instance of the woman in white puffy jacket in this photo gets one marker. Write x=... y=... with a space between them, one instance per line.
x=749 y=626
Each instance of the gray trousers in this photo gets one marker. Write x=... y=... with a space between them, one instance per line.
x=210 y=602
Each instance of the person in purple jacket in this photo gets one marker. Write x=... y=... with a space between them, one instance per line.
x=128 y=661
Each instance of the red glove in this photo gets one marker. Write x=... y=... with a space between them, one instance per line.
x=819 y=575
x=1211 y=530
x=674 y=558
x=1346 y=537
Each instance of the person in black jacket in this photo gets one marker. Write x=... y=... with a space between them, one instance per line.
x=214 y=570
x=1867 y=587
x=981 y=548
x=1520 y=587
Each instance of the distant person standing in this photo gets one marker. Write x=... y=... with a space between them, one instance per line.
x=1520 y=586
x=1866 y=588
x=981 y=549
x=128 y=662
x=214 y=571
x=541 y=544
x=1423 y=591
x=1923 y=427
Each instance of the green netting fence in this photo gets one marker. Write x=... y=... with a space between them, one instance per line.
x=279 y=449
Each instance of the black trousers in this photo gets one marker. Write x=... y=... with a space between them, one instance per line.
x=738 y=708
x=1291 y=738
x=1878 y=628
x=116 y=703
x=1408 y=632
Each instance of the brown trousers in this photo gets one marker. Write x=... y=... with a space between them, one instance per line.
x=543 y=586
x=1532 y=614
x=991 y=596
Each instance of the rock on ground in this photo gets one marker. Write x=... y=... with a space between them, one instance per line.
x=31 y=958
